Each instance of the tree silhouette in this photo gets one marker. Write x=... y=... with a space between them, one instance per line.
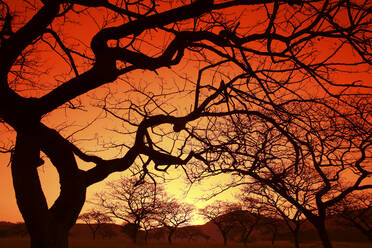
x=246 y=218
x=285 y=68
x=275 y=206
x=306 y=169
x=272 y=226
x=149 y=223
x=172 y=215
x=130 y=201
x=220 y=213
x=95 y=220
x=356 y=210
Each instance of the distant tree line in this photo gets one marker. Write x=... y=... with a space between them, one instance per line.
x=147 y=212
x=144 y=208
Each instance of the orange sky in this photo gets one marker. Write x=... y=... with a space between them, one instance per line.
x=8 y=208
x=49 y=178
x=84 y=31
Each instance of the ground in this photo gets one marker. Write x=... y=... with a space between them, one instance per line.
x=119 y=243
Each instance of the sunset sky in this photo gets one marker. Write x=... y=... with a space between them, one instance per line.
x=100 y=129
x=72 y=121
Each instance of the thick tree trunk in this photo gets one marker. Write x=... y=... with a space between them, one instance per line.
x=59 y=240
x=58 y=237
x=30 y=198
x=48 y=228
x=322 y=232
x=51 y=230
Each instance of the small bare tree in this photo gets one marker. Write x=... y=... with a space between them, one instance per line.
x=149 y=223
x=356 y=210
x=275 y=206
x=95 y=220
x=220 y=214
x=131 y=201
x=171 y=214
x=248 y=216
x=272 y=226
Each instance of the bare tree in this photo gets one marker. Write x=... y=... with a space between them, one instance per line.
x=296 y=166
x=220 y=213
x=95 y=220
x=131 y=201
x=90 y=64
x=299 y=58
x=356 y=210
x=275 y=206
x=306 y=154
x=171 y=214
x=247 y=217
x=293 y=221
x=272 y=226
x=149 y=223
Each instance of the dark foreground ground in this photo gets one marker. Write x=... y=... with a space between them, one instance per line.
x=117 y=243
